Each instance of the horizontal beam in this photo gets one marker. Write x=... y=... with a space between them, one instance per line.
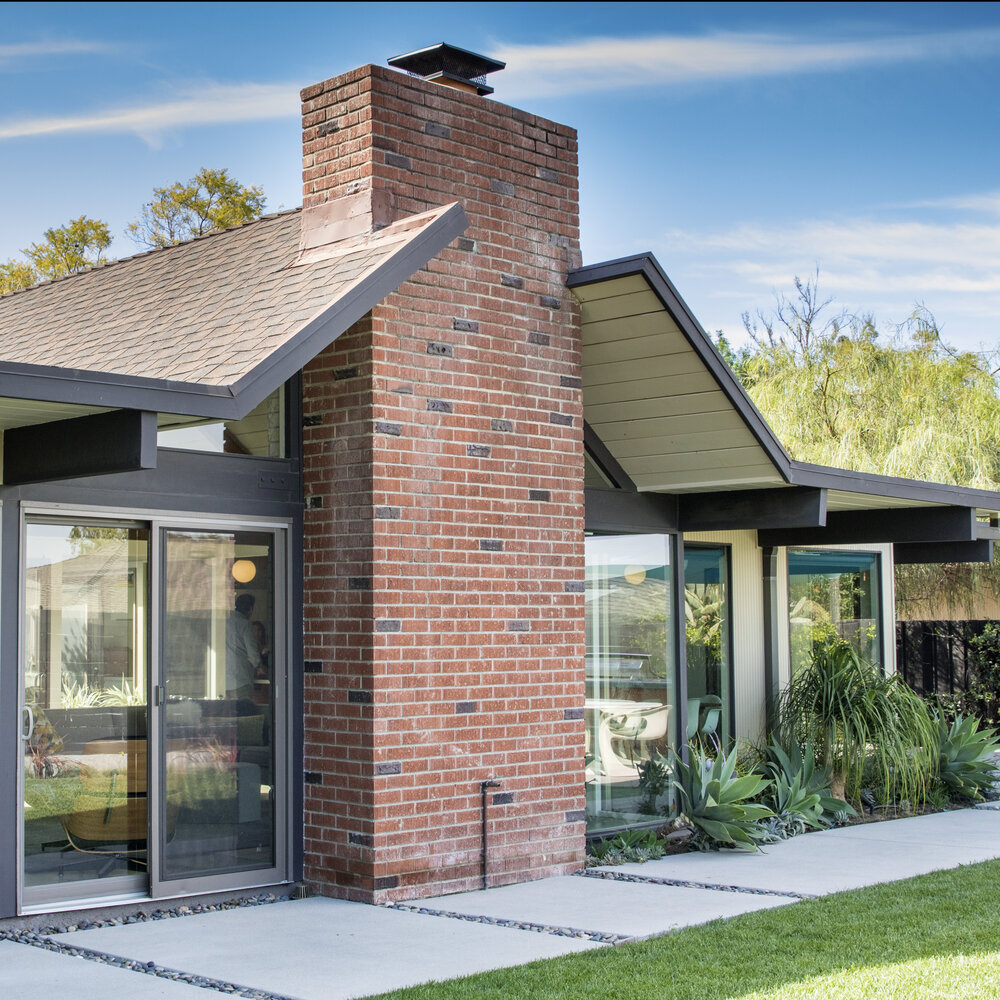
x=96 y=445
x=796 y=507
x=903 y=524
x=619 y=510
x=980 y=551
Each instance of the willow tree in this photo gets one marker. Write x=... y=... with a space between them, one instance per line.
x=899 y=402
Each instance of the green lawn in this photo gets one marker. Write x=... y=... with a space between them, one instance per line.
x=936 y=936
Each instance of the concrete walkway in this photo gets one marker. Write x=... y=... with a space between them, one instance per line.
x=323 y=949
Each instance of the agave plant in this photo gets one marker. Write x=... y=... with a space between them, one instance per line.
x=800 y=792
x=967 y=762
x=718 y=805
x=854 y=715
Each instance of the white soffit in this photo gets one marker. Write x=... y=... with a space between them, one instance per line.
x=653 y=401
x=25 y=412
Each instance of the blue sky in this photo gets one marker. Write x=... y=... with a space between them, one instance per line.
x=742 y=143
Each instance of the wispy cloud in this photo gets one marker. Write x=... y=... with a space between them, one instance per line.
x=32 y=50
x=205 y=104
x=592 y=64
x=882 y=265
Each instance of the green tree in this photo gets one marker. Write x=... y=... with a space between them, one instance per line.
x=16 y=274
x=210 y=200
x=68 y=249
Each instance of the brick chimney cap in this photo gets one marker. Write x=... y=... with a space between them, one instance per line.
x=450 y=62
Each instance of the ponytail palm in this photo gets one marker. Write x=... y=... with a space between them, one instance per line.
x=857 y=718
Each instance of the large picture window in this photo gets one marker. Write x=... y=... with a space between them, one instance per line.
x=630 y=707
x=833 y=595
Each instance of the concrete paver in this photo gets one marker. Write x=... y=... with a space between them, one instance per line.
x=847 y=858
x=324 y=949
x=605 y=906
x=34 y=972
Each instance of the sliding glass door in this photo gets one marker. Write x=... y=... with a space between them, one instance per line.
x=153 y=708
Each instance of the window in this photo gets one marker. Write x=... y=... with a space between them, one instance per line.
x=833 y=595
x=707 y=641
x=630 y=710
x=261 y=432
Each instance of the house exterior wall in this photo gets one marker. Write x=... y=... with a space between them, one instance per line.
x=443 y=469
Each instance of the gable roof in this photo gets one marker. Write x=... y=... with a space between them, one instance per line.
x=675 y=418
x=209 y=327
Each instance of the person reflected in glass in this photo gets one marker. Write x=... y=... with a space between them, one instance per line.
x=242 y=652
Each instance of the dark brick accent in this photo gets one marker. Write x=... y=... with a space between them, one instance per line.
x=359 y=583
x=466 y=707
x=395 y=160
x=360 y=839
x=464 y=243
x=440 y=350
x=496 y=424
x=403 y=390
x=573 y=587
x=490 y=545
x=343 y=373
x=387 y=513
x=327 y=128
x=441 y=131
x=544 y=174
x=511 y=281
x=314 y=503
x=543 y=496
x=550 y=302
x=503 y=798
x=312 y=420
x=388 y=625
x=557 y=240
x=561 y=418
x=576 y=816
x=501 y=187
x=518 y=625
x=384 y=427
x=477 y=450
x=357 y=696
x=313 y=777
x=389 y=767
x=312 y=666
x=570 y=381
x=386 y=882
x=542 y=339
x=440 y=406
x=465 y=325
x=570 y=714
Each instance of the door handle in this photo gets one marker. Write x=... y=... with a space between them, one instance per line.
x=26 y=736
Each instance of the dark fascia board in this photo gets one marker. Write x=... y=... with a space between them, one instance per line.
x=805 y=474
x=647 y=265
x=95 y=445
x=887 y=524
x=730 y=510
x=634 y=513
x=980 y=551
x=69 y=385
x=605 y=461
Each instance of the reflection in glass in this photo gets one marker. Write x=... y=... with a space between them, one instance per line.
x=630 y=679
x=706 y=610
x=85 y=683
x=218 y=728
x=833 y=596
x=261 y=432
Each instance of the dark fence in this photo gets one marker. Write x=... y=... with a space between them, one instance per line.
x=936 y=657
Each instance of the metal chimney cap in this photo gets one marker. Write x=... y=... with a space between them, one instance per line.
x=450 y=63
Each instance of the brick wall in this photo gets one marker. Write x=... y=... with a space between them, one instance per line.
x=444 y=470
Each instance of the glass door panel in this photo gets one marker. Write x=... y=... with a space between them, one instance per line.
x=84 y=639
x=217 y=704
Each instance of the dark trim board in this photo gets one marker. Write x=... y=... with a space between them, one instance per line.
x=979 y=551
x=798 y=507
x=605 y=461
x=911 y=524
x=637 y=513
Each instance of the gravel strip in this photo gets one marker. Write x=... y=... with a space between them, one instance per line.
x=520 y=925
x=617 y=876
x=43 y=939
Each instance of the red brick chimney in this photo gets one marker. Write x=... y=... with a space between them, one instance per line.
x=443 y=456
